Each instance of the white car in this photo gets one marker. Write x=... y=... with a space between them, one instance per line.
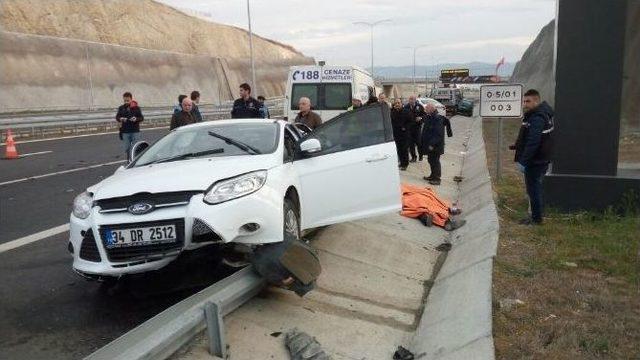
x=442 y=110
x=234 y=182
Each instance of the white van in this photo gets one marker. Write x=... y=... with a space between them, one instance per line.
x=330 y=89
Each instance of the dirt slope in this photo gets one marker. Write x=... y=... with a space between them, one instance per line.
x=139 y=23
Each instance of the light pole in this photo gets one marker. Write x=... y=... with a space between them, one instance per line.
x=415 y=48
x=253 y=65
x=371 y=25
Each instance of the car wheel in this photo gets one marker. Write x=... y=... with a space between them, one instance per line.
x=291 y=221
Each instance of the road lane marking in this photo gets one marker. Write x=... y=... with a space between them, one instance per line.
x=83 y=135
x=36 y=177
x=36 y=153
x=33 y=238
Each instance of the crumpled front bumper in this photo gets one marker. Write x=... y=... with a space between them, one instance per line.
x=227 y=220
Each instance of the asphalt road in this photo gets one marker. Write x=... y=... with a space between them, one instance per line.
x=46 y=310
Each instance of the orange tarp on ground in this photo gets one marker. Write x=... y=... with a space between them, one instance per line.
x=417 y=201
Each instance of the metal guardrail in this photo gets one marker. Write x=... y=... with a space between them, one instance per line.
x=167 y=332
x=40 y=126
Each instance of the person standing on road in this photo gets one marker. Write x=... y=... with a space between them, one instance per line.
x=245 y=107
x=306 y=116
x=184 y=117
x=264 y=110
x=533 y=150
x=382 y=97
x=398 y=123
x=178 y=108
x=195 y=110
x=432 y=142
x=129 y=117
x=414 y=113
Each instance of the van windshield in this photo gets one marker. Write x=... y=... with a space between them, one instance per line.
x=327 y=96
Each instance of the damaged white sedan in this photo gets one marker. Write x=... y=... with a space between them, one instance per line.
x=232 y=182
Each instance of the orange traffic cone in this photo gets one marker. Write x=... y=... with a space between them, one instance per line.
x=11 y=151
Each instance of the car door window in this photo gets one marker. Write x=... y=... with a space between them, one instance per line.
x=363 y=127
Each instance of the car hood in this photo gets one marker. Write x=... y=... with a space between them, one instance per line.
x=184 y=175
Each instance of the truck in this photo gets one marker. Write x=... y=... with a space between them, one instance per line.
x=330 y=88
x=449 y=97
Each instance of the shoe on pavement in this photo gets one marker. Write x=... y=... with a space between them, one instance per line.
x=451 y=225
x=420 y=158
x=426 y=220
x=413 y=160
x=434 y=181
x=403 y=168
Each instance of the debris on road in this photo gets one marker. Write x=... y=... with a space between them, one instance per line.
x=445 y=246
x=570 y=264
x=290 y=264
x=403 y=354
x=304 y=347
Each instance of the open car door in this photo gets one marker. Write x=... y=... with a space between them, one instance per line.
x=354 y=172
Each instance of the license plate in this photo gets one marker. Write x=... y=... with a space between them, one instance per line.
x=139 y=236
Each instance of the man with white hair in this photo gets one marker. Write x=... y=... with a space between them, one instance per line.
x=184 y=117
x=306 y=116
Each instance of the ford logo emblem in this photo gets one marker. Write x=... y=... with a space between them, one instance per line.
x=140 y=208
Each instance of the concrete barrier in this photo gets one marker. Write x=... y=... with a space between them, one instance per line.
x=456 y=322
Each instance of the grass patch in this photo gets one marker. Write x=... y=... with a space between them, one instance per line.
x=577 y=276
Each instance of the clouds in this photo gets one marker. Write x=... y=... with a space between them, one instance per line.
x=457 y=31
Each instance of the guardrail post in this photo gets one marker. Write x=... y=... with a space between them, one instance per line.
x=215 y=330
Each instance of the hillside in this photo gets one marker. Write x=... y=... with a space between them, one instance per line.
x=535 y=69
x=141 y=23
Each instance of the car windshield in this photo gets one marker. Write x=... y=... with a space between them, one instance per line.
x=213 y=141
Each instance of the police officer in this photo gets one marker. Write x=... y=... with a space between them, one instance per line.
x=533 y=150
x=246 y=107
x=414 y=112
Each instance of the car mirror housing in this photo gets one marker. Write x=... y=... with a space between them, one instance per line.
x=310 y=146
x=138 y=148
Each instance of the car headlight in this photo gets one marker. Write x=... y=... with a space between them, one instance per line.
x=236 y=187
x=82 y=205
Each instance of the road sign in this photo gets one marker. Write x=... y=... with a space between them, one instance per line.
x=501 y=101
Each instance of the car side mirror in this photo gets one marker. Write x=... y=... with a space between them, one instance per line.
x=310 y=146
x=138 y=148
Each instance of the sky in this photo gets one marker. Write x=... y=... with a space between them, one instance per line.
x=454 y=31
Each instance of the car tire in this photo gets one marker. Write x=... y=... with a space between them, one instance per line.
x=291 y=220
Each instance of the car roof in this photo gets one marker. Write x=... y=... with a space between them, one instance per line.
x=230 y=121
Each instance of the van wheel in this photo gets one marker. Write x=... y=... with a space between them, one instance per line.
x=291 y=222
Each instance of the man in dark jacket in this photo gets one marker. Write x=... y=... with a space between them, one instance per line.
x=129 y=117
x=184 y=117
x=264 y=109
x=245 y=107
x=533 y=150
x=195 y=109
x=413 y=112
x=178 y=108
x=432 y=142
x=399 y=125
